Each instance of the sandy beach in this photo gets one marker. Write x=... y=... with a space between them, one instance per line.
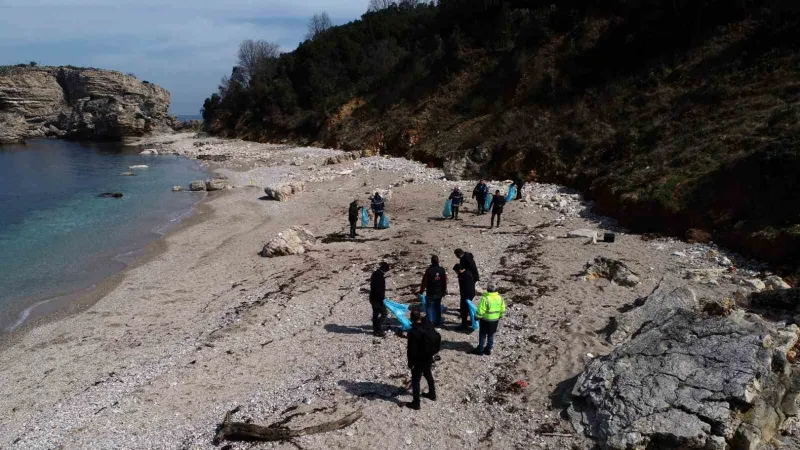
x=206 y=325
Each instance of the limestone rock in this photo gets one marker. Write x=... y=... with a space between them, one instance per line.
x=197 y=185
x=775 y=282
x=342 y=158
x=293 y=241
x=177 y=188
x=756 y=284
x=667 y=296
x=460 y=165
x=283 y=192
x=217 y=184
x=150 y=151
x=127 y=174
x=689 y=381
x=40 y=102
x=610 y=269
x=583 y=233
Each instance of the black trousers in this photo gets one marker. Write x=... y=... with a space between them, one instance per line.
x=417 y=372
x=378 y=216
x=352 y=228
x=378 y=316
x=464 y=310
x=496 y=214
x=481 y=205
x=454 y=214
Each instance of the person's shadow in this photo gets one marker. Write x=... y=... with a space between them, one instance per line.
x=374 y=391
x=342 y=329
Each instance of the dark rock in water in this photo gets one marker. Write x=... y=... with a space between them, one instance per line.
x=197 y=185
x=111 y=195
x=690 y=381
x=217 y=158
x=127 y=174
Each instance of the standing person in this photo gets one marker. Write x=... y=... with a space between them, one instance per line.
x=498 y=202
x=456 y=197
x=490 y=310
x=378 y=206
x=423 y=344
x=434 y=284
x=377 y=292
x=467 y=261
x=466 y=289
x=479 y=193
x=352 y=216
x=519 y=183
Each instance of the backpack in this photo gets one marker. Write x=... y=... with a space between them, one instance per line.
x=431 y=341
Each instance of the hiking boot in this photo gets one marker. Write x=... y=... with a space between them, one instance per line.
x=477 y=351
x=487 y=352
x=380 y=334
x=412 y=405
x=429 y=396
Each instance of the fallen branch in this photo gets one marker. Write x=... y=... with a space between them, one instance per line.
x=240 y=431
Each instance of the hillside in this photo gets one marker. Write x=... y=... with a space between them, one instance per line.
x=79 y=103
x=673 y=115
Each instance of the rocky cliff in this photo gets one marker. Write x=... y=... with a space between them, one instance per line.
x=79 y=103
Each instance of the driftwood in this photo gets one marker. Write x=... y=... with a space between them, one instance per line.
x=240 y=431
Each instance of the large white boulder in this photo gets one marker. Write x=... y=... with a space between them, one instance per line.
x=293 y=241
x=283 y=192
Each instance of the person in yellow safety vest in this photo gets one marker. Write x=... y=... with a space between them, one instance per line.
x=490 y=310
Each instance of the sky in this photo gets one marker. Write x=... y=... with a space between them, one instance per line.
x=185 y=46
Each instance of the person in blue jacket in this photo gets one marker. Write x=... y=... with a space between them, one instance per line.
x=378 y=206
x=456 y=197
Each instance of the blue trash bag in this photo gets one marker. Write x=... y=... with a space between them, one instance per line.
x=399 y=310
x=488 y=202
x=384 y=222
x=423 y=299
x=473 y=309
x=364 y=217
x=512 y=193
x=448 y=209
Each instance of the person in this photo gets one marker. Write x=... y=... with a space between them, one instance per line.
x=479 y=193
x=378 y=206
x=519 y=183
x=498 y=202
x=423 y=344
x=434 y=285
x=490 y=310
x=352 y=216
x=377 y=293
x=456 y=197
x=466 y=289
x=467 y=261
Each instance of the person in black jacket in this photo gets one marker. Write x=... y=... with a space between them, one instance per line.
x=419 y=359
x=498 y=202
x=377 y=292
x=378 y=207
x=479 y=193
x=467 y=261
x=434 y=284
x=352 y=216
x=466 y=289
x=456 y=197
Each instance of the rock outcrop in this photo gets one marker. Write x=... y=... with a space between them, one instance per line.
x=284 y=191
x=690 y=381
x=611 y=269
x=293 y=241
x=66 y=102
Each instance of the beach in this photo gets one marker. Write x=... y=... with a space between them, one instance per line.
x=203 y=324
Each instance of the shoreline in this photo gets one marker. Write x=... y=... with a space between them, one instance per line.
x=80 y=300
x=205 y=325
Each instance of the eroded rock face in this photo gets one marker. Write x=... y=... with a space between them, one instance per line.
x=293 y=241
x=41 y=102
x=690 y=381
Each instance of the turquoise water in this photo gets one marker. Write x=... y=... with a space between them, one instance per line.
x=58 y=238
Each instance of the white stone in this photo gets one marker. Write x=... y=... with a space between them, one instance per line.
x=775 y=282
x=584 y=233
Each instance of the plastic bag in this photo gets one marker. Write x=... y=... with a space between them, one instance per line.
x=448 y=209
x=488 y=202
x=398 y=310
x=364 y=217
x=384 y=222
x=512 y=193
x=422 y=299
x=473 y=309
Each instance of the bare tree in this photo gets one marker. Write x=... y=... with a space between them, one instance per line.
x=318 y=24
x=377 y=5
x=253 y=56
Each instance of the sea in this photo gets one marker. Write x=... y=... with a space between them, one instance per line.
x=59 y=239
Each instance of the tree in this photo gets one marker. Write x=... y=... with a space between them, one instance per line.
x=377 y=5
x=253 y=56
x=318 y=24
